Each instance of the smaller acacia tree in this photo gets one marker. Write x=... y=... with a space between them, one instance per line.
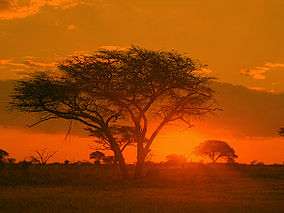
x=3 y=155
x=42 y=156
x=109 y=160
x=216 y=150
x=97 y=156
x=281 y=131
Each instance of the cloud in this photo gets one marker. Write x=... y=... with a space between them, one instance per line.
x=10 y=62
x=112 y=47
x=71 y=27
x=274 y=65
x=16 y=67
x=31 y=62
x=205 y=71
x=15 y=9
x=5 y=61
x=255 y=73
x=260 y=72
x=261 y=89
x=13 y=69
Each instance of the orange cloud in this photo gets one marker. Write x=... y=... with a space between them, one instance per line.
x=14 y=9
x=13 y=69
x=10 y=62
x=259 y=73
x=261 y=89
x=274 y=65
x=71 y=27
x=255 y=73
x=4 y=61
x=30 y=62
x=38 y=64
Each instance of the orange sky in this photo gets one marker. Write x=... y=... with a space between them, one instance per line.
x=241 y=41
x=23 y=143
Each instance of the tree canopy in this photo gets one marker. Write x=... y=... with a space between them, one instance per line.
x=281 y=131
x=97 y=156
x=3 y=155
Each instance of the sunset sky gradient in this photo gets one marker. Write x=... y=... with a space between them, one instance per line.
x=241 y=41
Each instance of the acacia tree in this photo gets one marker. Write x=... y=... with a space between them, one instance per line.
x=3 y=155
x=42 y=156
x=57 y=95
x=143 y=85
x=216 y=150
x=97 y=156
x=140 y=87
x=281 y=131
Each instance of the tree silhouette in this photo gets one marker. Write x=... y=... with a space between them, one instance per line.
x=59 y=95
x=11 y=160
x=97 y=156
x=42 y=156
x=66 y=162
x=109 y=160
x=111 y=88
x=148 y=87
x=123 y=136
x=281 y=131
x=3 y=155
x=216 y=150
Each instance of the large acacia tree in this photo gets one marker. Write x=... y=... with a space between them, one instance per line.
x=142 y=90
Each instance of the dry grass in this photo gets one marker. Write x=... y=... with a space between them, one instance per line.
x=194 y=188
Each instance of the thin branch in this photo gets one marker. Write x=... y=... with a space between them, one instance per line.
x=41 y=121
x=69 y=130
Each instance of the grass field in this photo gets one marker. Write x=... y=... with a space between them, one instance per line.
x=193 y=188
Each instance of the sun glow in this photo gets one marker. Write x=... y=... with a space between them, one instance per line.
x=172 y=140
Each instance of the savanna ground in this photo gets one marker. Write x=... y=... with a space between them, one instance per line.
x=191 y=188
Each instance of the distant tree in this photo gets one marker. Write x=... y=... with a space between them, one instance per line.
x=109 y=160
x=11 y=160
x=256 y=163
x=3 y=155
x=281 y=131
x=66 y=162
x=97 y=156
x=231 y=160
x=216 y=150
x=25 y=164
x=175 y=159
x=42 y=156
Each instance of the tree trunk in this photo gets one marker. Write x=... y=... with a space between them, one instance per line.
x=118 y=155
x=141 y=155
x=143 y=151
x=122 y=165
x=139 y=168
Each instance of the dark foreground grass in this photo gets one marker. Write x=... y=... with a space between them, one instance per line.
x=194 y=188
